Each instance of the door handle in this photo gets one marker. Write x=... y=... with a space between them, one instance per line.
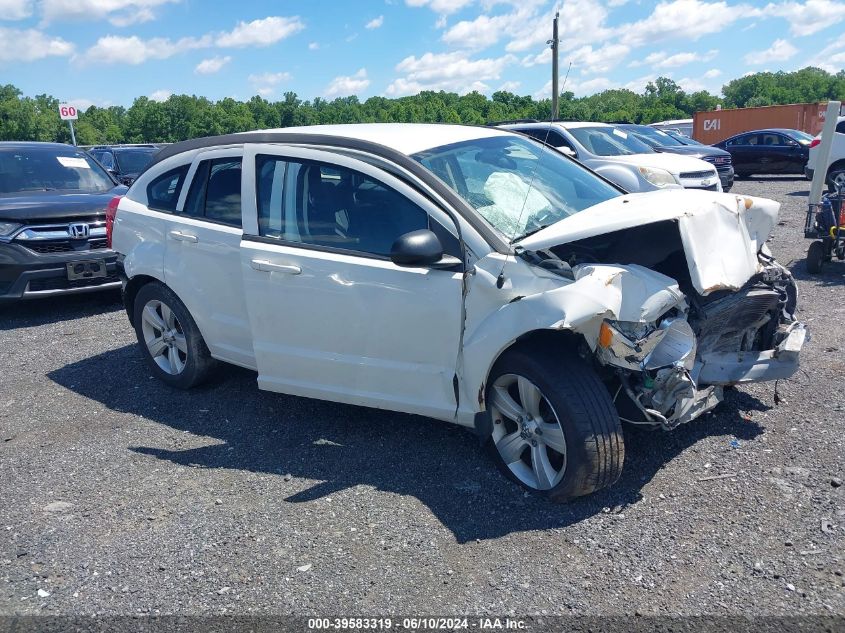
x=269 y=267
x=183 y=237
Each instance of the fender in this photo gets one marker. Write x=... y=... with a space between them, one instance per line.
x=626 y=293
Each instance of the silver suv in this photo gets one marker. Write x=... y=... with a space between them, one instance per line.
x=621 y=157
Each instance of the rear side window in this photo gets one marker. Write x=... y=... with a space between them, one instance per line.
x=840 y=127
x=215 y=192
x=163 y=192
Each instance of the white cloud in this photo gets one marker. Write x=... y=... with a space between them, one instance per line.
x=444 y=7
x=712 y=73
x=266 y=84
x=683 y=19
x=313 y=46
x=160 y=95
x=116 y=49
x=582 y=89
x=806 y=18
x=15 y=9
x=212 y=65
x=779 y=51
x=510 y=86
x=260 y=32
x=31 y=44
x=659 y=60
x=375 y=23
x=347 y=85
x=83 y=104
x=118 y=12
x=831 y=58
x=525 y=27
x=447 y=71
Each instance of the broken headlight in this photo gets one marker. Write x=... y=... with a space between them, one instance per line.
x=644 y=346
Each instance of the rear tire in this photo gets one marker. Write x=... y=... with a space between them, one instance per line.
x=555 y=429
x=169 y=338
x=815 y=257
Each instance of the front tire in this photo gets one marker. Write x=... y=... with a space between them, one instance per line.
x=555 y=429
x=815 y=257
x=169 y=338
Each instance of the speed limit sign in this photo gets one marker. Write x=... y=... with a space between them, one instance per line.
x=68 y=112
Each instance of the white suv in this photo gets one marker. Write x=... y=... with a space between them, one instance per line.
x=836 y=165
x=622 y=157
x=467 y=274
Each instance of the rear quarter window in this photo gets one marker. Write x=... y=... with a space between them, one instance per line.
x=163 y=191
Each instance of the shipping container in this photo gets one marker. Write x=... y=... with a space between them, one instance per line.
x=717 y=125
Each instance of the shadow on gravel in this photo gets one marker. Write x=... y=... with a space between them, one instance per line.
x=832 y=274
x=36 y=312
x=345 y=446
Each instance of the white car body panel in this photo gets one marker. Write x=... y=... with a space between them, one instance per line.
x=141 y=234
x=837 y=150
x=721 y=232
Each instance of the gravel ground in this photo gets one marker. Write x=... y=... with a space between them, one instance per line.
x=122 y=496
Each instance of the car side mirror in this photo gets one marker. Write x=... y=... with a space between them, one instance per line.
x=420 y=248
x=567 y=150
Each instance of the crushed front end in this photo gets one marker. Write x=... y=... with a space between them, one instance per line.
x=673 y=369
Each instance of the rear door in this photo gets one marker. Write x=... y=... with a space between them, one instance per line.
x=332 y=317
x=742 y=150
x=202 y=261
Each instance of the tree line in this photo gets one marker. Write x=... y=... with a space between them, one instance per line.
x=181 y=117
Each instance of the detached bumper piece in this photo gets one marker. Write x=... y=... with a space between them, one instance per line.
x=732 y=368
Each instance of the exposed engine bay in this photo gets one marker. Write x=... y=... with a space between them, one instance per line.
x=671 y=370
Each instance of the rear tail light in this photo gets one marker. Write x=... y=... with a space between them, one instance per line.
x=815 y=142
x=111 y=214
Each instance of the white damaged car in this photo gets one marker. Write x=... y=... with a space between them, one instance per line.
x=463 y=273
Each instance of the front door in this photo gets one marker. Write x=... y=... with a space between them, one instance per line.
x=332 y=317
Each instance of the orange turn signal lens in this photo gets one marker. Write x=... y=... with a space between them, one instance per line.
x=605 y=335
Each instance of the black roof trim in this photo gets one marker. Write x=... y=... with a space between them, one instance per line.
x=341 y=142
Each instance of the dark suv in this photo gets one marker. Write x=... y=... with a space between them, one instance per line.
x=124 y=162
x=53 y=201
x=662 y=141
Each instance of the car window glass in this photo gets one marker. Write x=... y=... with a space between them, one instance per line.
x=107 y=160
x=223 y=192
x=51 y=169
x=195 y=202
x=840 y=127
x=215 y=192
x=609 y=141
x=769 y=139
x=163 y=192
x=330 y=206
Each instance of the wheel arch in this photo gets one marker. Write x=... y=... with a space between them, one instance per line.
x=130 y=291
x=543 y=340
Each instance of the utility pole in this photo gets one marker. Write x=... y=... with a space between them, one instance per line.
x=555 y=94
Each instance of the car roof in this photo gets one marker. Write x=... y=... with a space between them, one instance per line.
x=408 y=138
x=35 y=145
x=777 y=130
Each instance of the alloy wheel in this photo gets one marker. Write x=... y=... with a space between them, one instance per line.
x=164 y=337
x=527 y=432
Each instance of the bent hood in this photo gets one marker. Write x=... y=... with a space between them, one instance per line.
x=673 y=163
x=721 y=233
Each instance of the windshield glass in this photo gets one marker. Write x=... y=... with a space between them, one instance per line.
x=684 y=140
x=654 y=137
x=25 y=169
x=517 y=185
x=609 y=141
x=133 y=161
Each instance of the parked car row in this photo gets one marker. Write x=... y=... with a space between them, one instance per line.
x=622 y=156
